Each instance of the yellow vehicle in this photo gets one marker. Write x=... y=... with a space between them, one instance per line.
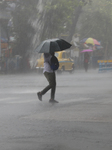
x=65 y=62
x=40 y=62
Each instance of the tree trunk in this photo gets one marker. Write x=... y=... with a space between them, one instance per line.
x=74 y=22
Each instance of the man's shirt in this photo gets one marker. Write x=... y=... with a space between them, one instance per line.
x=47 y=58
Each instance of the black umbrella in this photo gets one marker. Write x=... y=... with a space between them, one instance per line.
x=53 y=45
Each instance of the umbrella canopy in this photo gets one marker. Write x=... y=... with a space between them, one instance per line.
x=53 y=45
x=90 y=41
x=87 y=50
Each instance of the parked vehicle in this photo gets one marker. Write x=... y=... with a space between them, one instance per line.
x=65 y=62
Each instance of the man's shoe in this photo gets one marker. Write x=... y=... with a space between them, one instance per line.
x=39 y=96
x=53 y=101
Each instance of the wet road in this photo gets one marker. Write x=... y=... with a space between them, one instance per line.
x=81 y=121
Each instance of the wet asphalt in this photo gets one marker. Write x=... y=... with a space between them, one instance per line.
x=82 y=120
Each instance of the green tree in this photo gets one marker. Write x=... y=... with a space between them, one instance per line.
x=75 y=16
x=97 y=23
x=22 y=28
x=61 y=17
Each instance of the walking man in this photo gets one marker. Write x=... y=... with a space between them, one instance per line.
x=51 y=78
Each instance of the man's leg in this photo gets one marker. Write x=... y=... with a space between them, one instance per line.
x=53 y=88
x=47 y=75
x=39 y=94
x=52 y=84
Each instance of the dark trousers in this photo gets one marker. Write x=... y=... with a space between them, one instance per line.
x=51 y=77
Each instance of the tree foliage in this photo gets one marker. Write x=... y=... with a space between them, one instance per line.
x=97 y=23
x=22 y=29
x=61 y=16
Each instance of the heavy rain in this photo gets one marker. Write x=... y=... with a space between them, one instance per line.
x=79 y=32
